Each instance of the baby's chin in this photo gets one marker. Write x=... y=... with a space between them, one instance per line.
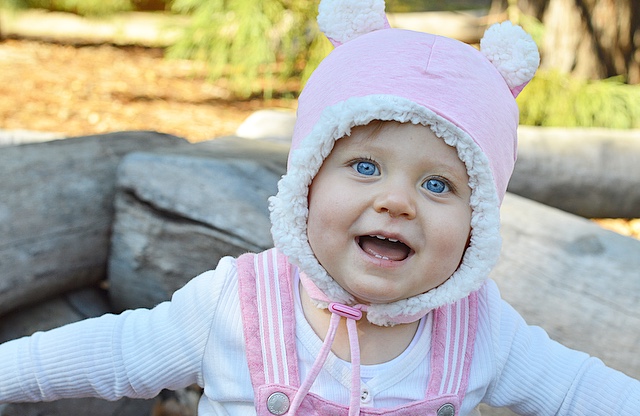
x=368 y=295
x=380 y=297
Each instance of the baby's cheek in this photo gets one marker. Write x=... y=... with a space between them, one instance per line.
x=316 y=234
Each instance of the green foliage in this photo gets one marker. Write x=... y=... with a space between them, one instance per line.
x=320 y=47
x=556 y=100
x=81 y=7
x=249 y=43
x=255 y=46
x=404 y=6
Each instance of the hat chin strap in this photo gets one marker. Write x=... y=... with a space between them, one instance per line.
x=321 y=300
x=352 y=314
x=338 y=311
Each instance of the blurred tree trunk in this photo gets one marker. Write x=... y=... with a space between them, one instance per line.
x=592 y=39
x=534 y=8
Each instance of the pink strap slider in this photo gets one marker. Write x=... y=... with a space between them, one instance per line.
x=345 y=311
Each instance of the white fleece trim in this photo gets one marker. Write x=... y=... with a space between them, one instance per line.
x=289 y=207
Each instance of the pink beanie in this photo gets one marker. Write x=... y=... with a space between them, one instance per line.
x=466 y=96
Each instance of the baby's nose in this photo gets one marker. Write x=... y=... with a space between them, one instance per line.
x=397 y=201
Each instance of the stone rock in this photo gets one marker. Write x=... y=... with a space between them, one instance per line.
x=271 y=125
x=588 y=172
x=179 y=212
x=56 y=211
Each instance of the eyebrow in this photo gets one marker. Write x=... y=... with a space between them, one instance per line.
x=370 y=132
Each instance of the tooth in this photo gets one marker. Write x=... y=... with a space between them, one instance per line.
x=393 y=240
x=379 y=237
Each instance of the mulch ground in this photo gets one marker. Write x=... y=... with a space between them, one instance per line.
x=84 y=90
x=97 y=89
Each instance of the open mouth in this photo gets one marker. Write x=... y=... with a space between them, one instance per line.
x=384 y=248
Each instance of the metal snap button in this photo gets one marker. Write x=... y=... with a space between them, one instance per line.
x=447 y=410
x=278 y=403
x=365 y=396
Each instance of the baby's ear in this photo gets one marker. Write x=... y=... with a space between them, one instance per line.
x=513 y=52
x=345 y=20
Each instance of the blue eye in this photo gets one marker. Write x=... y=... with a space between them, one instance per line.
x=436 y=186
x=367 y=168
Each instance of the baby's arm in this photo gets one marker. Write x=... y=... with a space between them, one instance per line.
x=536 y=375
x=134 y=354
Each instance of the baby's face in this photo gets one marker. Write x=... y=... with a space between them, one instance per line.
x=389 y=215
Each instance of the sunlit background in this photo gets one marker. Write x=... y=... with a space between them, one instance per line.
x=196 y=69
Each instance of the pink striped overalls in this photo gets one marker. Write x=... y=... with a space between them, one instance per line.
x=269 y=330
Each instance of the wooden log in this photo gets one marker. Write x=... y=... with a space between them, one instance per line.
x=131 y=28
x=69 y=307
x=588 y=172
x=465 y=26
x=563 y=272
x=85 y=406
x=593 y=173
x=64 y=309
x=15 y=137
x=579 y=282
x=178 y=213
x=56 y=212
x=162 y=30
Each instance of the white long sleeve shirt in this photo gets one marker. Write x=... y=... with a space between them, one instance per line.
x=197 y=337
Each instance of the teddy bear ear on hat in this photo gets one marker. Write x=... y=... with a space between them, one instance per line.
x=513 y=52
x=507 y=46
x=345 y=20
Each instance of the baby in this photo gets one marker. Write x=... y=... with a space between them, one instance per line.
x=376 y=298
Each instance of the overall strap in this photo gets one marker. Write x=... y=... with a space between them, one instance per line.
x=454 y=332
x=268 y=318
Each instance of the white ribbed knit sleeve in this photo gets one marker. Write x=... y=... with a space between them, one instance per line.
x=134 y=354
x=534 y=375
